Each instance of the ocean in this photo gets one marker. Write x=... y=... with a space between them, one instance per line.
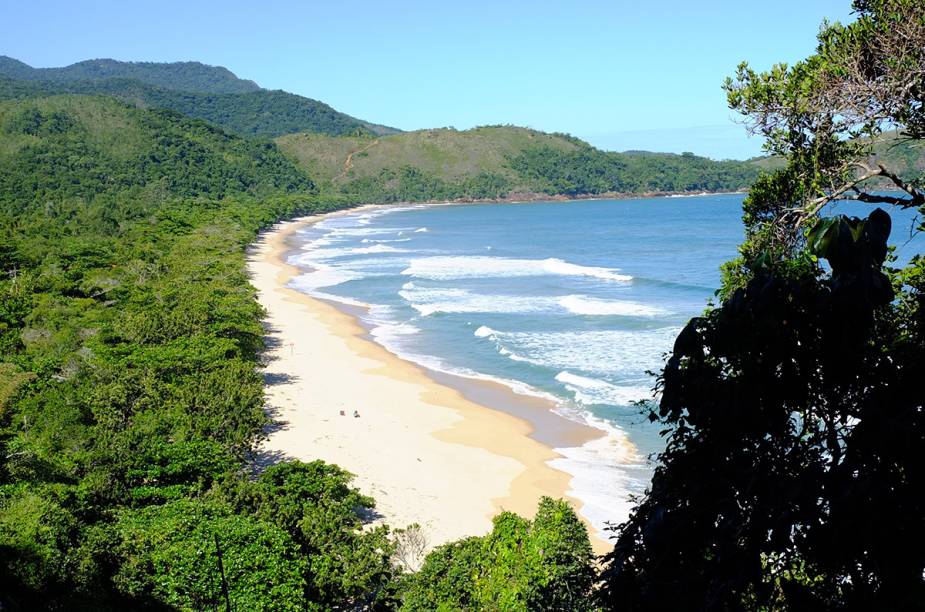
x=575 y=301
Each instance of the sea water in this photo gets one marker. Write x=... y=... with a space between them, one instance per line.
x=576 y=301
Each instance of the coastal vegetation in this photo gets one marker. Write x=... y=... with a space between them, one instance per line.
x=131 y=404
x=492 y=162
x=791 y=477
x=543 y=564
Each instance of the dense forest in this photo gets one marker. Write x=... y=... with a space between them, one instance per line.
x=589 y=170
x=497 y=161
x=131 y=403
x=193 y=89
x=386 y=166
x=181 y=76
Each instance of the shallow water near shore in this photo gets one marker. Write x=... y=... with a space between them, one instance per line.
x=572 y=301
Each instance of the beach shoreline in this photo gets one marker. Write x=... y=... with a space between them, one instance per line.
x=424 y=449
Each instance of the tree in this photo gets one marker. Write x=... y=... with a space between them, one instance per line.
x=544 y=564
x=792 y=475
x=168 y=554
x=315 y=505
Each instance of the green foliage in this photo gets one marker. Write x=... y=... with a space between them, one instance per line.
x=315 y=505
x=192 y=89
x=544 y=564
x=89 y=147
x=784 y=407
x=493 y=162
x=446 y=580
x=180 y=76
x=169 y=554
x=791 y=477
x=130 y=395
x=590 y=171
x=409 y=184
x=36 y=532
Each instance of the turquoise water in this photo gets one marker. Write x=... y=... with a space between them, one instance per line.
x=572 y=300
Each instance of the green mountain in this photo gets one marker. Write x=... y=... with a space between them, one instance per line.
x=498 y=161
x=84 y=146
x=193 y=89
x=179 y=76
x=903 y=156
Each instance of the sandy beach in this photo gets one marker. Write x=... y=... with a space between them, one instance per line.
x=426 y=452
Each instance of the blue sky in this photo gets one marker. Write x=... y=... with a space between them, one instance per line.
x=620 y=74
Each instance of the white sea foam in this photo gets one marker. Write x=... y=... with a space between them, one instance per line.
x=484 y=332
x=351 y=252
x=581 y=381
x=588 y=391
x=430 y=300
x=317 y=243
x=338 y=298
x=352 y=231
x=605 y=471
x=689 y=195
x=321 y=276
x=389 y=332
x=385 y=329
x=392 y=336
x=421 y=230
x=620 y=352
x=602 y=485
x=458 y=267
x=584 y=305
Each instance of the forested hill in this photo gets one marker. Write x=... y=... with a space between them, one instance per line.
x=498 y=161
x=180 y=76
x=904 y=156
x=86 y=146
x=193 y=89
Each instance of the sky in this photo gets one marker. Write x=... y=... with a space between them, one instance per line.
x=619 y=74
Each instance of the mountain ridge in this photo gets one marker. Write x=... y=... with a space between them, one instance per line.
x=194 y=89
x=178 y=76
x=493 y=162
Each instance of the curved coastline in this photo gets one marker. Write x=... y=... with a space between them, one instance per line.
x=421 y=446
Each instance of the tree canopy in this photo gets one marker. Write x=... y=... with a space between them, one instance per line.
x=543 y=564
x=203 y=92
x=178 y=76
x=793 y=410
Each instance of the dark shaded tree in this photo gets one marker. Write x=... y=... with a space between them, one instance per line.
x=792 y=474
